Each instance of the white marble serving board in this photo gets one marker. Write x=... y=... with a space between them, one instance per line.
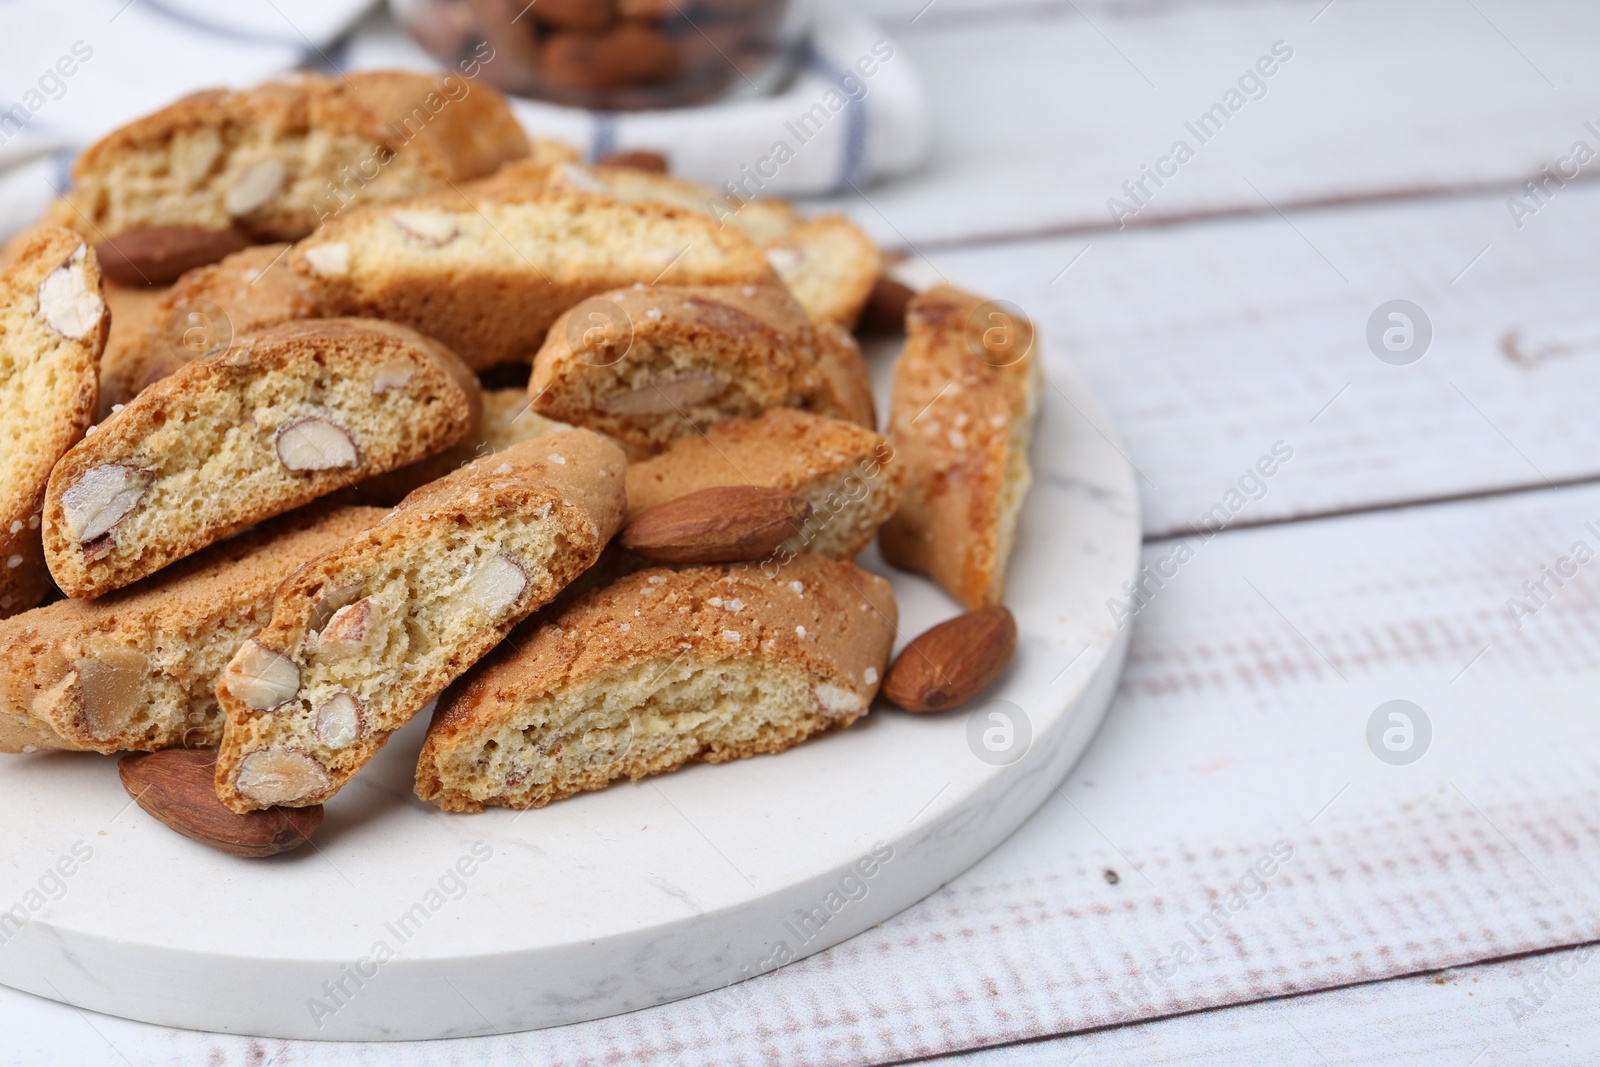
x=405 y=922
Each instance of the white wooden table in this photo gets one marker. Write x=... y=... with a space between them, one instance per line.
x=1442 y=911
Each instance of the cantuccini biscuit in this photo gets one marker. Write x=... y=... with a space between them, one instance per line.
x=362 y=637
x=488 y=273
x=135 y=669
x=268 y=163
x=292 y=414
x=961 y=420
x=198 y=317
x=829 y=265
x=649 y=364
x=848 y=474
x=53 y=324
x=656 y=670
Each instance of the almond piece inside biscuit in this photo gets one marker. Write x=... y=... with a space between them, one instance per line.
x=496 y=585
x=431 y=228
x=315 y=443
x=340 y=722
x=664 y=398
x=261 y=678
x=349 y=630
x=330 y=260
x=395 y=374
x=109 y=687
x=258 y=184
x=67 y=302
x=280 y=775
x=102 y=498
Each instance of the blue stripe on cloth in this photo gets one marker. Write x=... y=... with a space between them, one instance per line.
x=231 y=33
x=605 y=135
x=853 y=164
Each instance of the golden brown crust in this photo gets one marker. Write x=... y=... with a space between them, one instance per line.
x=962 y=425
x=847 y=473
x=413 y=132
x=560 y=495
x=206 y=440
x=183 y=624
x=196 y=317
x=488 y=272
x=827 y=621
x=47 y=393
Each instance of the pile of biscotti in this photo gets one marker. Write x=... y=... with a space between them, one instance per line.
x=258 y=431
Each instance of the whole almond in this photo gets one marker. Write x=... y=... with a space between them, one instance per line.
x=885 y=311
x=724 y=524
x=178 y=787
x=156 y=255
x=953 y=662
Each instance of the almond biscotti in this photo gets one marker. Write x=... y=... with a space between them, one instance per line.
x=847 y=473
x=135 y=670
x=224 y=168
x=650 y=364
x=292 y=414
x=199 y=316
x=829 y=265
x=487 y=273
x=661 y=668
x=53 y=325
x=362 y=637
x=961 y=420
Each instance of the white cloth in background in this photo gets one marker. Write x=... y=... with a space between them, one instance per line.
x=70 y=72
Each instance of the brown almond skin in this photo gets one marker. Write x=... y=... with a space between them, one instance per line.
x=884 y=313
x=637 y=159
x=953 y=662
x=723 y=524
x=178 y=787
x=157 y=255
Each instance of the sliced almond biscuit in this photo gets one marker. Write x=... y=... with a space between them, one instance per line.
x=650 y=364
x=363 y=637
x=661 y=668
x=135 y=670
x=53 y=324
x=847 y=473
x=198 y=317
x=488 y=273
x=290 y=415
x=223 y=168
x=829 y=265
x=961 y=420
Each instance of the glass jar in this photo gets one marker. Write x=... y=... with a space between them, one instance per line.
x=616 y=55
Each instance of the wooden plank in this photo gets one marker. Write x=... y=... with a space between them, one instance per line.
x=1040 y=119
x=1240 y=733
x=1532 y=1012
x=1211 y=342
